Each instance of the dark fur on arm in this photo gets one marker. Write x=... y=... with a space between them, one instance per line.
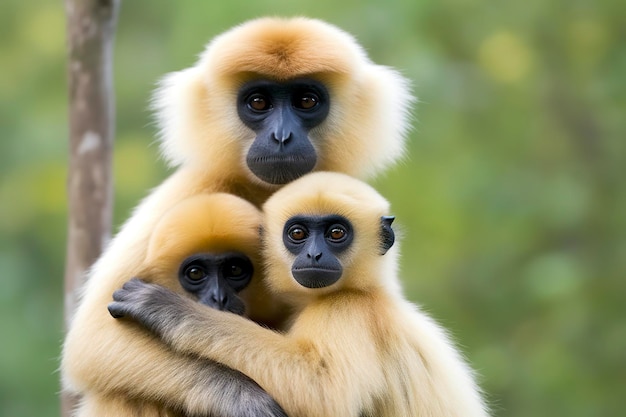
x=148 y=304
x=161 y=311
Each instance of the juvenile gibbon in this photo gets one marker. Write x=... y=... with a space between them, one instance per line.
x=205 y=248
x=356 y=347
x=267 y=102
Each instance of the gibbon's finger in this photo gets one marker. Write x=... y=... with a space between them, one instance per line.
x=117 y=310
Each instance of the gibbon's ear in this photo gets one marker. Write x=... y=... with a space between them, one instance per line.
x=387 y=236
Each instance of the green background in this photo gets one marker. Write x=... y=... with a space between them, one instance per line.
x=511 y=200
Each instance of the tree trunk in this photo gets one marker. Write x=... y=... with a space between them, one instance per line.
x=90 y=33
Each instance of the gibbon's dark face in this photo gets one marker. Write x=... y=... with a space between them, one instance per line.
x=317 y=242
x=217 y=278
x=282 y=114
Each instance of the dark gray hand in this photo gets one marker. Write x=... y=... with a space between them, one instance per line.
x=155 y=307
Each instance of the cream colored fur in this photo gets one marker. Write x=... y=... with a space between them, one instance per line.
x=203 y=137
x=204 y=223
x=356 y=348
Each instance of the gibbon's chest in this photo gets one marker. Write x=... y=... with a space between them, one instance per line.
x=199 y=181
x=336 y=316
x=254 y=193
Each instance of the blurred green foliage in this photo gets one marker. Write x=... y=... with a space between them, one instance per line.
x=511 y=200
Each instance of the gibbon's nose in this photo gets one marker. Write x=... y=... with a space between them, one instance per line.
x=315 y=248
x=215 y=297
x=219 y=298
x=315 y=256
x=283 y=124
x=282 y=137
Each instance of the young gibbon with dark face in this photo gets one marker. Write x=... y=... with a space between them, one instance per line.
x=206 y=248
x=356 y=347
x=267 y=102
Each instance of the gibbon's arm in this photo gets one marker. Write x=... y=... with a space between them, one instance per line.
x=197 y=387
x=412 y=367
x=310 y=371
x=102 y=355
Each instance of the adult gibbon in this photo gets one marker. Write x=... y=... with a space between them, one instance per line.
x=356 y=346
x=267 y=102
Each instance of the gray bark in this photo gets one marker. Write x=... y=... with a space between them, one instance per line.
x=90 y=33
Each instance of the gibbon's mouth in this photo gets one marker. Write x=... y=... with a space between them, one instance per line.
x=278 y=159
x=278 y=169
x=316 y=277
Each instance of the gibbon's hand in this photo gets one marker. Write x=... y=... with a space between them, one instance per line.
x=148 y=304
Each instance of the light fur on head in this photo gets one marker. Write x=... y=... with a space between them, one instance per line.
x=368 y=120
x=322 y=194
x=205 y=223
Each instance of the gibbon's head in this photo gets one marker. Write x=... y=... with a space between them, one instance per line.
x=275 y=98
x=325 y=232
x=211 y=242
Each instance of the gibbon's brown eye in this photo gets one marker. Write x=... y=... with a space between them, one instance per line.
x=306 y=101
x=238 y=271
x=258 y=102
x=195 y=273
x=336 y=233
x=235 y=271
x=297 y=233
